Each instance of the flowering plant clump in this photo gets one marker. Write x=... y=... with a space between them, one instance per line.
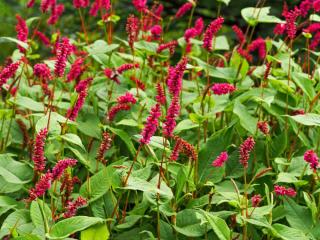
x=161 y=120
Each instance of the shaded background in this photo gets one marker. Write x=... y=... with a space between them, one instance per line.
x=69 y=24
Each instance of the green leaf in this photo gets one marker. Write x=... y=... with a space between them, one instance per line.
x=90 y=126
x=72 y=225
x=246 y=120
x=13 y=171
x=288 y=233
x=36 y=215
x=74 y=139
x=314 y=18
x=96 y=232
x=216 y=144
x=218 y=225
x=10 y=39
x=299 y=217
x=305 y=83
x=255 y=15
x=28 y=103
x=226 y=2
x=18 y=221
x=98 y=184
x=188 y=223
x=308 y=119
x=125 y=138
x=129 y=222
x=185 y=124
x=221 y=43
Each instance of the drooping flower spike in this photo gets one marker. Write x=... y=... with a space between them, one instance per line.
x=38 y=157
x=210 y=33
x=63 y=51
x=151 y=125
x=220 y=160
x=245 y=148
x=312 y=158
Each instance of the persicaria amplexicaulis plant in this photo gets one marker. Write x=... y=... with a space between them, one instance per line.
x=160 y=120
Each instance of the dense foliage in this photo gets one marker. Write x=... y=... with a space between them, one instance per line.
x=117 y=130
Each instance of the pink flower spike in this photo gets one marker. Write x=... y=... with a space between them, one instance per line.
x=260 y=45
x=239 y=33
x=8 y=72
x=126 y=98
x=62 y=165
x=83 y=85
x=22 y=32
x=73 y=206
x=117 y=108
x=279 y=29
x=151 y=125
x=220 y=160
x=316 y=5
x=38 y=151
x=169 y=45
x=210 y=33
x=291 y=27
x=140 y=5
x=173 y=112
x=30 y=3
x=161 y=97
x=175 y=76
x=132 y=28
x=41 y=70
x=41 y=187
x=184 y=9
x=263 y=127
x=222 y=88
x=56 y=12
x=282 y=191
x=245 y=148
x=126 y=67
x=43 y=38
x=156 y=31
x=255 y=200
x=63 y=51
x=312 y=158
x=76 y=70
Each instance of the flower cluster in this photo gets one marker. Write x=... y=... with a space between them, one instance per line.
x=104 y=146
x=220 y=160
x=41 y=187
x=22 y=31
x=38 y=151
x=151 y=125
x=160 y=97
x=282 y=191
x=43 y=38
x=169 y=45
x=62 y=165
x=222 y=88
x=170 y=122
x=182 y=146
x=260 y=45
x=175 y=75
x=263 y=127
x=132 y=29
x=73 y=206
x=124 y=103
x=184 y=9
x=8 y=72
x=82 y=89
x=255 y=200
x=63 y=51
x=76 y=70
x=210 y=32
x=312 y=158
x=245 y=148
